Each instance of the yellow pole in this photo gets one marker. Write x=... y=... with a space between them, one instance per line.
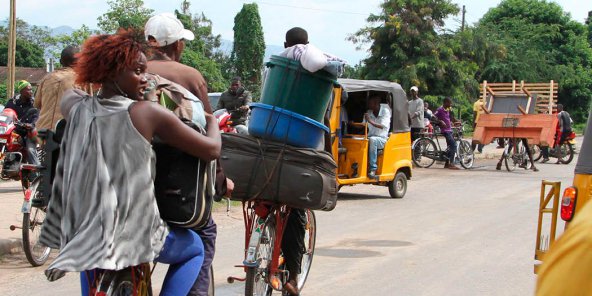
x=11 y=50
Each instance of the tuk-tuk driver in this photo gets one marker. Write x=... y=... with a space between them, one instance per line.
x=378 y=118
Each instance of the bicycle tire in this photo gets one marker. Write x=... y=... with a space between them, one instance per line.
x=508 y=157
x=424 y=152
x=565 y=153
x=310 y=237
x=36 y=253
x=465 y=154
x=211 y=287
x=537 y=154
x=256 y=283
x=120 y=283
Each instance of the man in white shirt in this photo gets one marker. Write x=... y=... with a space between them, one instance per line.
x=378 y=118
x=416 y=109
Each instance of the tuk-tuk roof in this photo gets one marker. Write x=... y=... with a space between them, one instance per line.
x=584 y=165
x=400 y=121
x=353 y=85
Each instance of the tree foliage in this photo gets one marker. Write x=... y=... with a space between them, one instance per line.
x=543 y=43
x=249 y=46
x=201 y=53
x=405 y=45
x=27 y=54
x=124 y=14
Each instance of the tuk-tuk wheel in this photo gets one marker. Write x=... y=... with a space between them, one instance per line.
x=398 y=187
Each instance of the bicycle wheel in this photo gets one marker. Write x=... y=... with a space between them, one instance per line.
x=565 y=153
x=121 y=282
x=310 y=237
x=256 y=283
x=509 y=157
x=36 y=253
x=536 y=152
x=211 y=287
x=465 y=154
x=424 y=152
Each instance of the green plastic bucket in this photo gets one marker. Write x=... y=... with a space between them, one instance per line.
x=291 y=87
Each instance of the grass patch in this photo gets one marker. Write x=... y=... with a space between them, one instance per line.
x=579 y=128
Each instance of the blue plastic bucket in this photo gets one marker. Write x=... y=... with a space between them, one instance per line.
x=280 y=125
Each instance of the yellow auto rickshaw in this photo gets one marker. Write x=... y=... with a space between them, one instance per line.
x=574 y=198
x=350 y=145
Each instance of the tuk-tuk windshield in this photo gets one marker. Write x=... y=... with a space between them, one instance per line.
x=392 y=93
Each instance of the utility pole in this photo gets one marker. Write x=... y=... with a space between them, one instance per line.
x=462 y=27
x=11 y=50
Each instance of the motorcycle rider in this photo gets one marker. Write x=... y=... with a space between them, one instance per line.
x=236 y=100
x=22 y=104
x=564 y=128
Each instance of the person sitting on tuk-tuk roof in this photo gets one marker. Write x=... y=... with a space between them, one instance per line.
x=378 y=118
x=445 y=119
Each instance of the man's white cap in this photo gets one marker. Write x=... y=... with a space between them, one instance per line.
x=414 y=88
x=166 y=29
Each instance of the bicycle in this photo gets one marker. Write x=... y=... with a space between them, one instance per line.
x=264 y=262
x=36 y=197
x=564 y=152
x=426 y=151
x=515 y=154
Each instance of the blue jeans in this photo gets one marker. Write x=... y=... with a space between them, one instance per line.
x=184 y=252
x=451 y=145
x=208 y=236
x=374 y=144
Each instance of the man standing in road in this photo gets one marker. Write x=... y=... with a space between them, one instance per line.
x=236 y=100
x=416 y=109
x=166 y=37
x=49 y=92
x=477 y=110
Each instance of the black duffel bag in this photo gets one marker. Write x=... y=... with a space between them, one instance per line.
x=297 y=177
x=184 y=186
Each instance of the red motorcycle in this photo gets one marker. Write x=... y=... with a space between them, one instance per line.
x=12 y=146
x=224 y=121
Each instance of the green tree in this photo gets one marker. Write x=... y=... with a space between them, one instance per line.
x=249 y=47
x=201 y=53
x=543 y=43
x=405 y=45
x=124 y=14
x=27 y=54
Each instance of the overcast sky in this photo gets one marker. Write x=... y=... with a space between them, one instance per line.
x=328 y=22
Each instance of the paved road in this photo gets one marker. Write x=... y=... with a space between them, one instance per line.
x=467 y=232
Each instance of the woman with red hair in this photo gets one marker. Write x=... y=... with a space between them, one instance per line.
x=103 y=212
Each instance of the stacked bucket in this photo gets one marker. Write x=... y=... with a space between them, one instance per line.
x=293 y=104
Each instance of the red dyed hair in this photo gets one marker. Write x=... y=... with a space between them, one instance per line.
x=103 y=56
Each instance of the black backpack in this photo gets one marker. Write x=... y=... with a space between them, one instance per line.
x=184 y=186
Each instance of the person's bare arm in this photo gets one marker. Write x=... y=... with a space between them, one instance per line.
x=197 y=85
x=151 y=120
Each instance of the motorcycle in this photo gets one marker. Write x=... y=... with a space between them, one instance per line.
x=227 y=121
x=564 y=152
x=12 y=146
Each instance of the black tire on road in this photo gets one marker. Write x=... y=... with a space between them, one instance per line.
x=212 y=287
x=424 y=152
x=310 y=237
x=536 y=152
x=398 y=186
x=565 y=153
x=256 y=281
x=36 y=253
x=465 y=154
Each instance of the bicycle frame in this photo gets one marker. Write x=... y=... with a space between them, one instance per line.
x=252 y=212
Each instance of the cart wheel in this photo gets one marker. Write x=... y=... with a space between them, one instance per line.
x=398 y=187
